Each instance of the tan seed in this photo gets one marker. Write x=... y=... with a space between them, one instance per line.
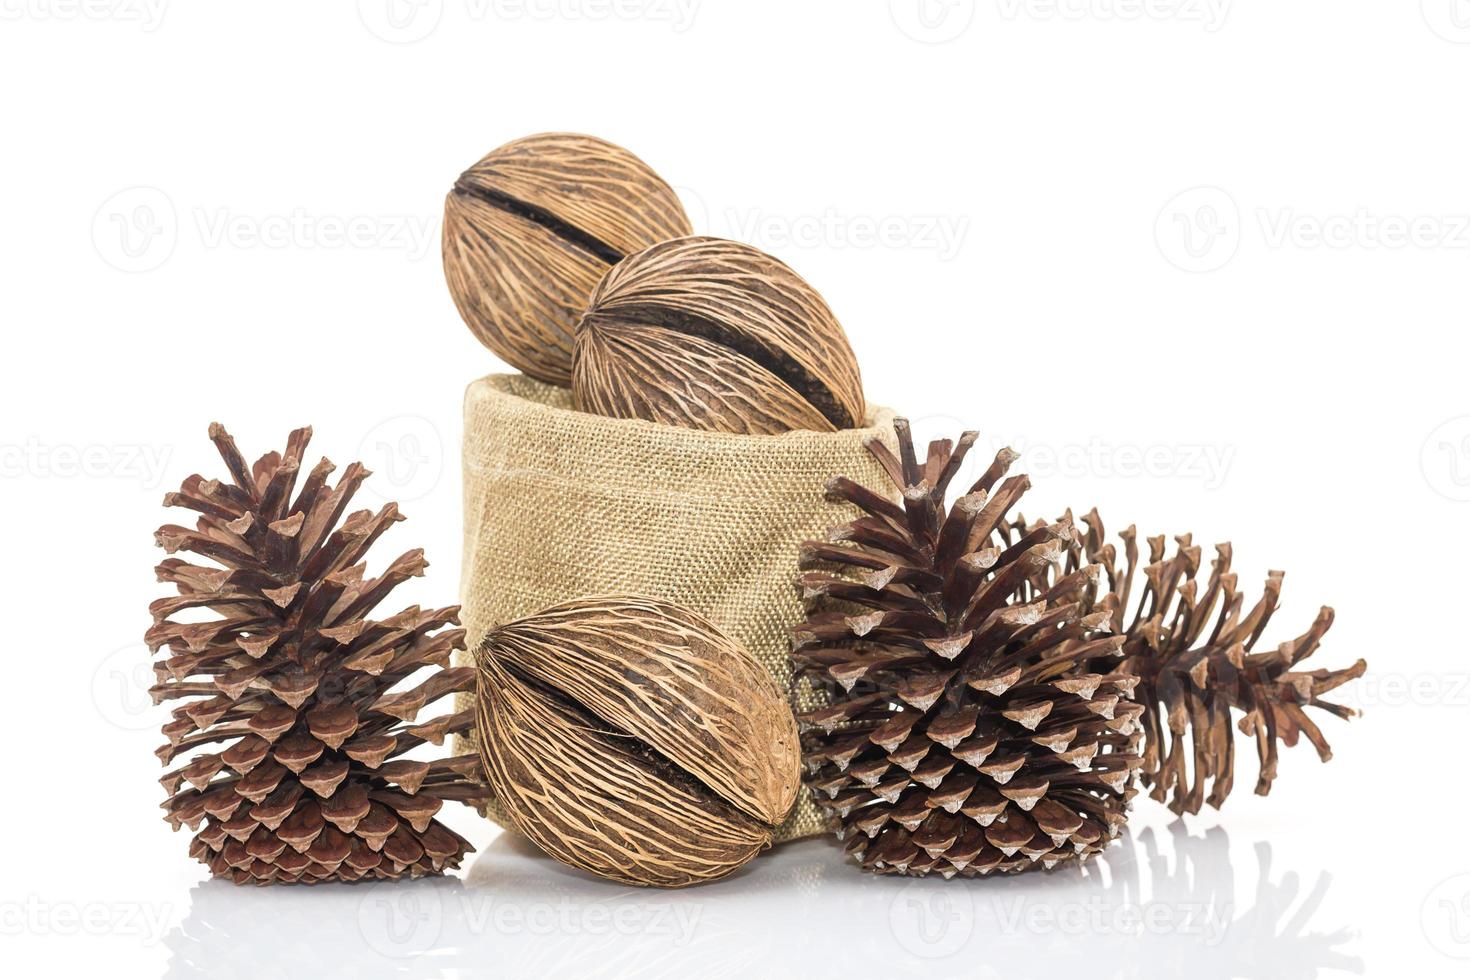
x=532 y=227
x=628 y=737
x=712 y=334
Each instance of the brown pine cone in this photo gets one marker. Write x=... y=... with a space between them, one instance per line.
x=288 y=717
x=968 y=730
x=1193 y=650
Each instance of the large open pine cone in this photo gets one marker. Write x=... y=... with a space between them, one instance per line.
x=287 y=687
x=1193 y=652
x=969 y=729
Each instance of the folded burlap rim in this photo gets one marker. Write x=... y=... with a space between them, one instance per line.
x=560 y=504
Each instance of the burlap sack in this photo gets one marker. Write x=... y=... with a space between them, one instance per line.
x=560 y=504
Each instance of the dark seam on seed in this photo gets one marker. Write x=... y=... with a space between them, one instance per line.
x=562 y=229
x=779 y=363
x=661 y=764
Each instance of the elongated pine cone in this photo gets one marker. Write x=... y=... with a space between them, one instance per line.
x=292 y=737
x=969 y=731
x=1193 y=652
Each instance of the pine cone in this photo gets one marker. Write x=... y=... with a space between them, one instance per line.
x=1192 y=653
x=967 y=732
x=289 y=684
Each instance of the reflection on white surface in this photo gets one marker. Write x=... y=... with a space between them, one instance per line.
x=1161 y=906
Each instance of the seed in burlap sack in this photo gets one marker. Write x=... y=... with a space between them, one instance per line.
x=532 y=227
x=630 y=738
x=712 y=334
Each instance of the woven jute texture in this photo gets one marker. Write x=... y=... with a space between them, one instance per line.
x=560 y=504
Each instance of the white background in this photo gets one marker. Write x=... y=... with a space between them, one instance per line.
x=1204 y=262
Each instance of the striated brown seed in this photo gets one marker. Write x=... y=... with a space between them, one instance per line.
x=712 y=334
x=532 y=227
x=630 y=738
